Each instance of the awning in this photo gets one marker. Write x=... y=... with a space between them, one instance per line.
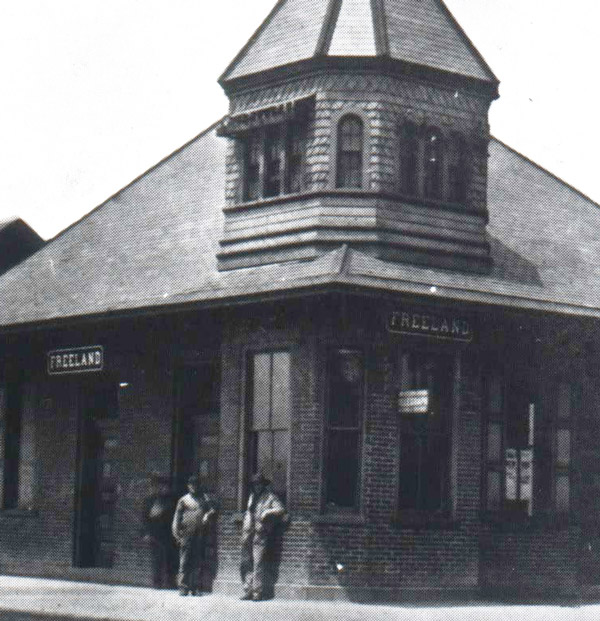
x=295 y=109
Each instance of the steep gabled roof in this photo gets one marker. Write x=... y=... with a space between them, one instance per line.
x=154 y=245
x=419 y=32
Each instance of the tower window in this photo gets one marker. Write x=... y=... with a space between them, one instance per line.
x=350 y=152
x=432 y=164
x=457 y=170
x=252 y=156
x=409 y=156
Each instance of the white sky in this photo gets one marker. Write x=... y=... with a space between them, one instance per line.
x=94 y=92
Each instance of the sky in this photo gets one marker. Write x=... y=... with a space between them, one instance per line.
x=95 y=92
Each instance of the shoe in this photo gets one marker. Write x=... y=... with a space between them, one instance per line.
x=257 y=597
x=183 y=592
x=197 y=592
x=246 y=596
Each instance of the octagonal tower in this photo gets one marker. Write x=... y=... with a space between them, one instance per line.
x=358 y=122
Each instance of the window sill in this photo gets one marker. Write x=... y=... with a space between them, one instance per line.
x=339 y=517
x=511 y=522
x=440 y=205
x=19 y=513
x=415 y=519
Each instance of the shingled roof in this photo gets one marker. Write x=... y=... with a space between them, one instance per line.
x=154 y=245
x=419 y=32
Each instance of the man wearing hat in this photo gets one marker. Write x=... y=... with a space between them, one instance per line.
x=190 y=525
x=156 y=519
x=263 y=511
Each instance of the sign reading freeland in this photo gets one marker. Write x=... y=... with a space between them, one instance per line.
x=425 y=323
x=75 y=360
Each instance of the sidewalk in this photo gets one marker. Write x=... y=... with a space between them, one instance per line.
x=32 y=599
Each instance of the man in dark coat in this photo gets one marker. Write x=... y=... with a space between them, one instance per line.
x=263 y=512
x=156 y=519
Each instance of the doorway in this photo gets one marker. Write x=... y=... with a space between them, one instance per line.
x=96 y=481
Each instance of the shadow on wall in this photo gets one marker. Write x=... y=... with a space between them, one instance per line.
x=510 y=265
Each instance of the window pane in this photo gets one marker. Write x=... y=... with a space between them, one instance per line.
x=281 y=453
x=494 y=446
x=281 y=391
x=562 y=493
x=564 y=401
x=350 y=146
x=563 y=447
x=273 y=153
x=261 y=395
x=495 y=394
x=432 y=165
x=342 y=469
x=494 y=490
x=408 y=159
x=411 y=456
x=264 y=452
x=346 y=385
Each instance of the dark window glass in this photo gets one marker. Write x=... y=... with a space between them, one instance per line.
x=509 y=445
x=409 y=149
x=457 y=170
x=296 y=145
x=344 y=426
x=273 y=161
x=350 y=150
x=252 y=189
x=269 y=413
x=424 y=431
x=432 y=166
x=569 y=399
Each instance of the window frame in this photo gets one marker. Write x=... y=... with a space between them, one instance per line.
x=247 y=427
x=326 y=506
x=342 y=156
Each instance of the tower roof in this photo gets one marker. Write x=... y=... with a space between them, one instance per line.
x=418 y=32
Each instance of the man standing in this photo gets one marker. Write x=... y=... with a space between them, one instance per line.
x=263 y=511
x=190 y=525
x=156 y=519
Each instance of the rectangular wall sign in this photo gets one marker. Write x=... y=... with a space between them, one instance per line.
x=413 y=402
x=75 y=360
x=432 y=324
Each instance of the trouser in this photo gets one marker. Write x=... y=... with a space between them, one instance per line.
x=160 y=554
x=191 y=557
x=252 y=568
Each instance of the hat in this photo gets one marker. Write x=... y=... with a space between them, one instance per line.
x=259 y=479
x=194 y=479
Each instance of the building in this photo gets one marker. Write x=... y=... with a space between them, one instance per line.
x=18 y=241
x=347 y=283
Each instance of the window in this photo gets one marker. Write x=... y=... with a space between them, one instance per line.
x=274 y=160
x=296 y=144
x=509 y=446
x=349 y=152
x=269 y=417
x=568 y=400
x=432 y=165
x=457 y=169
x=409 y=157
x=425 y=405
x=344 y=428
x=17 y=446
x=252 y=189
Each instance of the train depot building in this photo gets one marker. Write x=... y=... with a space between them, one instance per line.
x=346 y=283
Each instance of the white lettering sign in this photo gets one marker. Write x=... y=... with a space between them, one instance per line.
x=75 y=360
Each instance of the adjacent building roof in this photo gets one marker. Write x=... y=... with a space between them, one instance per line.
x=419 y=32
x=17 y=241
x=154 y=245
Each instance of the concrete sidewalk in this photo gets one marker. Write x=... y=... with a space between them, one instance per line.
x=33 y=599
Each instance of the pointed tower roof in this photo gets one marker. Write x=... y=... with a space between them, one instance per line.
x=418 y=32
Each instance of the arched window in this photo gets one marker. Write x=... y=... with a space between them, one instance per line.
x=432 y=165
x=457 y=170
x=408 y=157
x=349 y=152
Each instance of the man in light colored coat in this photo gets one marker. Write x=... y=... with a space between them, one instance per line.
x=264 y=510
